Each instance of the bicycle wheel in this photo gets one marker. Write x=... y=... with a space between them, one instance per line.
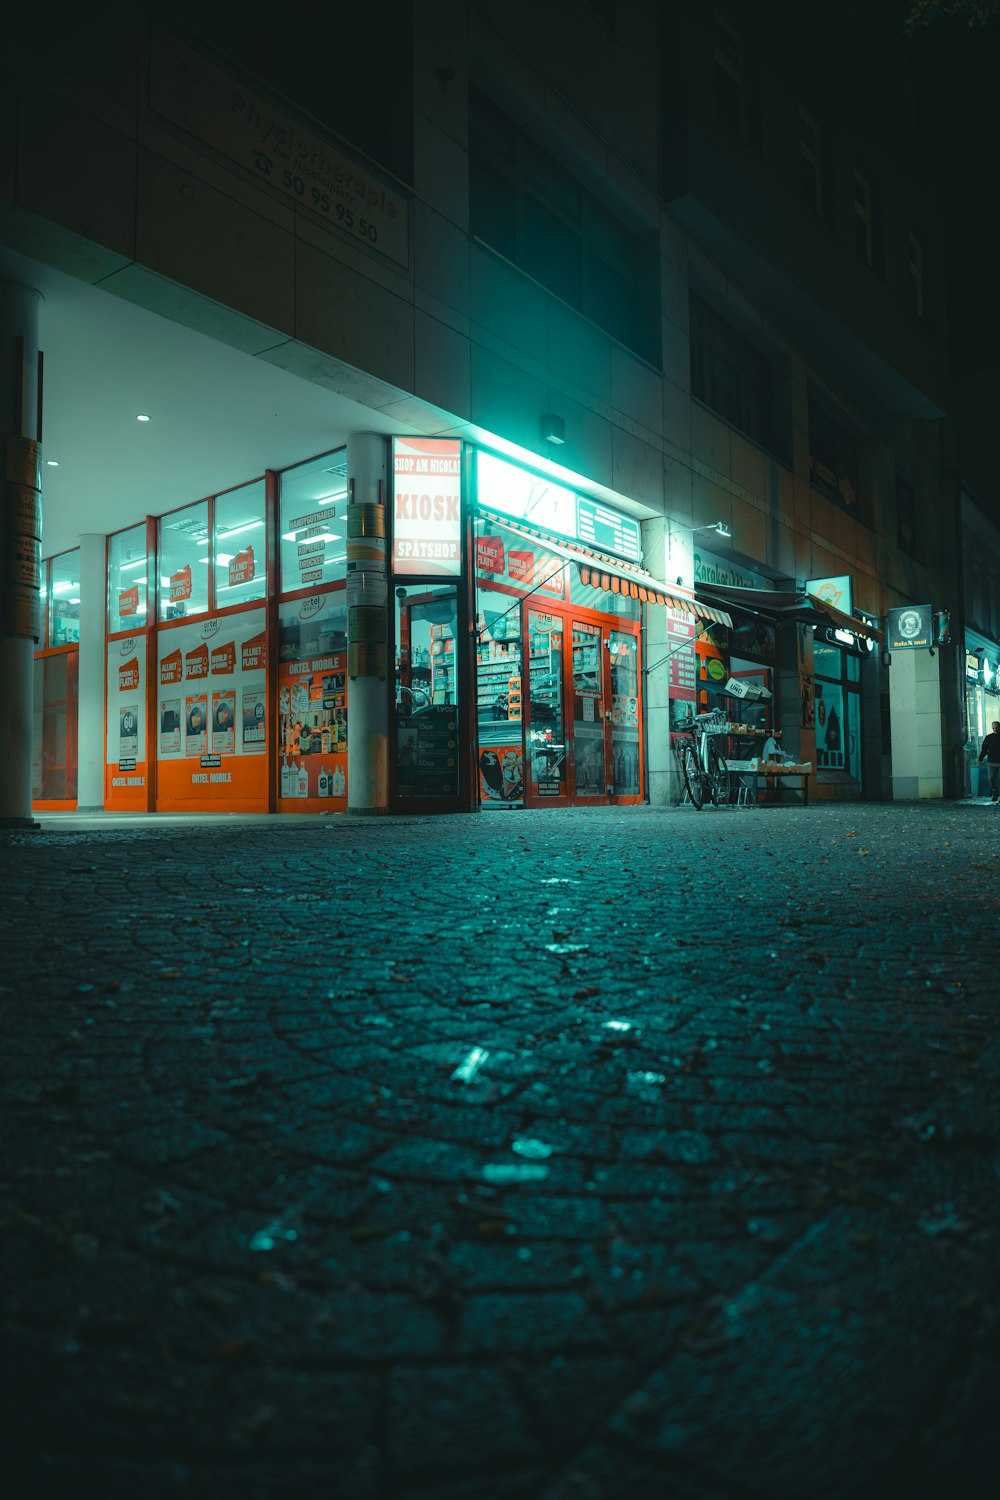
x=692 y=776
x=718 y=778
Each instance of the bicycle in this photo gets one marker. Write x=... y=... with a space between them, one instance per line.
x=703 y=775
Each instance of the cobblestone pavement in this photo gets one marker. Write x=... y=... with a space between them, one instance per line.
x=575 y=1155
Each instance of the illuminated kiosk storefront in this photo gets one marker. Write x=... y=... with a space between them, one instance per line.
x=557 y=631
x=514 y=617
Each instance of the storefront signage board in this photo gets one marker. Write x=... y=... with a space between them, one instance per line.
x=607 y=530
x=243 y=125
x=426 y=532
x=709 y=569
x=835 y=591
x=552 y=507
x=911 y=627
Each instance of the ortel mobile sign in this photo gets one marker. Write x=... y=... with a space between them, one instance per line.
x=909 y=627
x=426 y=507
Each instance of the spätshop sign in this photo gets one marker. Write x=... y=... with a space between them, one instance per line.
x=427 y=488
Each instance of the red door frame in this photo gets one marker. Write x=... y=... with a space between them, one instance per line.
x=568 y=613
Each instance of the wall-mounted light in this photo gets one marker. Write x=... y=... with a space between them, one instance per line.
x=718 y=526
x=553 y=428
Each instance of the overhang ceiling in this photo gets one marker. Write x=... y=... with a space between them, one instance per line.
x=217 y=416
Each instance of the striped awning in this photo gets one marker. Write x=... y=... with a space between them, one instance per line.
x=610 y=574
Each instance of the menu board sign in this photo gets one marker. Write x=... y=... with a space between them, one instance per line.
x=427 y=753
x=681 y=664
x=607 y=530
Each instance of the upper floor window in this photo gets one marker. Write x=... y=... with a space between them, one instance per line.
x=736 y=100
x=864 y=237
x=730 y=375
x=906 y=517
x=533 y=211
x=814 y=170
x=833 y=460
x=916 y=281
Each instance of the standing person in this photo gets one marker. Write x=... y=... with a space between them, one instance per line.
x=991 y=753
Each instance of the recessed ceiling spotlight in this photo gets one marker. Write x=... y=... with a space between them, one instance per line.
x=142 y=417
x=53 y=463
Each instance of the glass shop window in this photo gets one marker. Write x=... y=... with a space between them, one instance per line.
x=184 y=562
x=314 y=523
x=314 y=626
x=127 y=579
x=240 y=546
x=64 y=599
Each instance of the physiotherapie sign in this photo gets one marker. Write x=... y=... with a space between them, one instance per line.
x=426 y=524
x=243 y=125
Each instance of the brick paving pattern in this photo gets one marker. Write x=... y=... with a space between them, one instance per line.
x=582 y=1155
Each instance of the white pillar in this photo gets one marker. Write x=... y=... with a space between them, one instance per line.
x=90 y=720
x=367 y=626
x=917 y=725
x=18 y=419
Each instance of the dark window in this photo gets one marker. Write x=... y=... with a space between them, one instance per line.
x=867 y=221
x=816 y=180
x=916 y=277
x=833 y=460
x=730 y=375
x=737 y=99
x=525 y=205
x=906 y=517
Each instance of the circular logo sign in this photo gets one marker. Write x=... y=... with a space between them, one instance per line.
x=910 y=624
x=715 y=669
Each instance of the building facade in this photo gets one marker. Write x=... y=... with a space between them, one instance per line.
x=561 y=365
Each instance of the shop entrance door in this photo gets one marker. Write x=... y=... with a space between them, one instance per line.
x=583 y=710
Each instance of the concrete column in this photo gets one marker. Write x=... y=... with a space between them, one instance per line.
x=90 y=721
x=367 y=626
x=19 y=612
x=918 y=737
x=663 y=777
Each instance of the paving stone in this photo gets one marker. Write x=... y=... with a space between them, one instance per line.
x=247 y=1243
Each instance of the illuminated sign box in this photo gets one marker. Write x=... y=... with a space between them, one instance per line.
x=552 y=507
x=911 y=627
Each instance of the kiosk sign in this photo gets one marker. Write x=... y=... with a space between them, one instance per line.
x=427 y=481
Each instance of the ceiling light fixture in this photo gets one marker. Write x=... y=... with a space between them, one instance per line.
x=53 y=463
x=141 y=417
x=249 y=526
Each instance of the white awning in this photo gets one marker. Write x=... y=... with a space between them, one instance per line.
x=611 y=574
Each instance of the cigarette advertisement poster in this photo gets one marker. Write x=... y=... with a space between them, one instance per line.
x=125 y=746
x=212 y=731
